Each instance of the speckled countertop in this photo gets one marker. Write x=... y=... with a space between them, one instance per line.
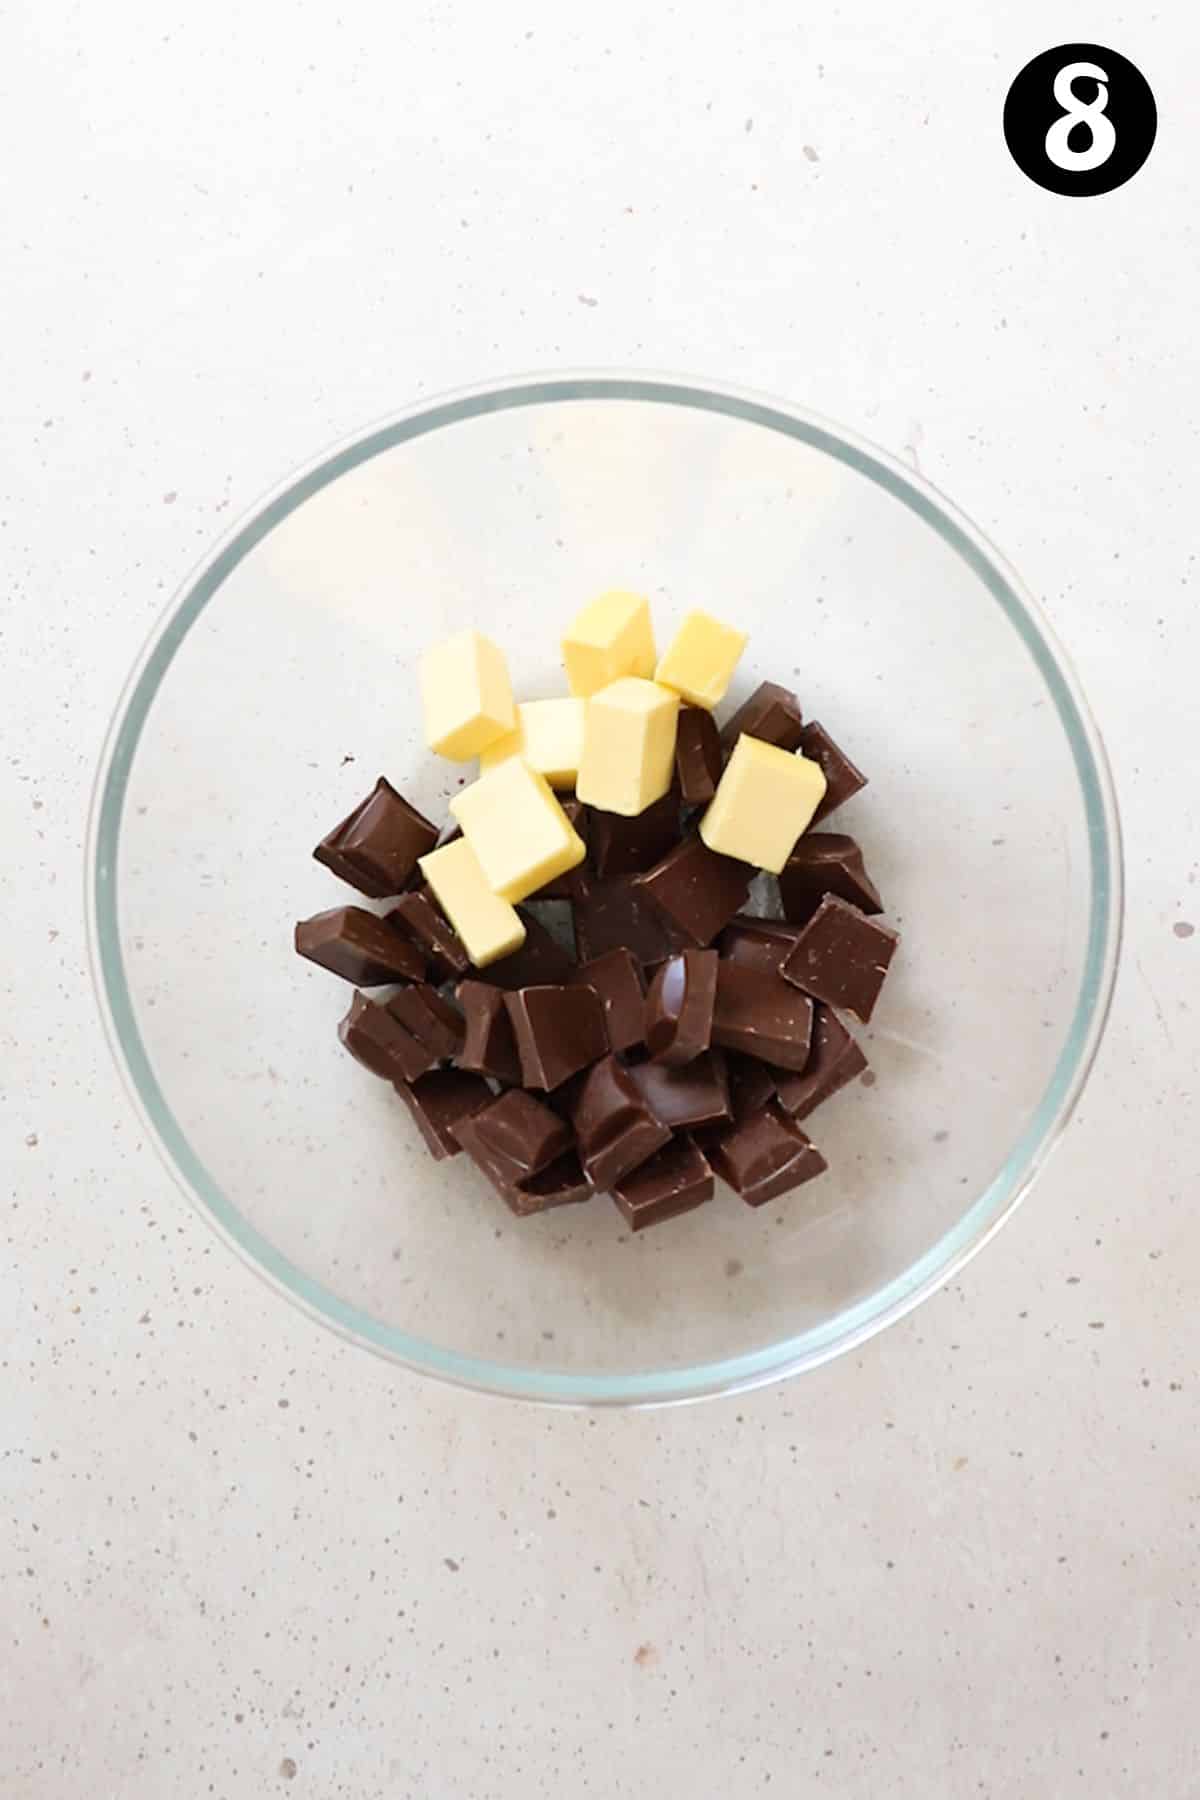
x=239 y=1558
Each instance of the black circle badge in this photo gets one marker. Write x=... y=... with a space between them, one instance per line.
x=1080 y=119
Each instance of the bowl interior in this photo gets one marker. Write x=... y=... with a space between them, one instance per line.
x=285 y=683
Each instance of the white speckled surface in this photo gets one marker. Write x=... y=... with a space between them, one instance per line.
x=240 y=1559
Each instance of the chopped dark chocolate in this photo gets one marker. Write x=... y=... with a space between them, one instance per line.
x=430 y=1018
x=380 y=1043
x=437 y=1101
x=617 y=978
x=354 y=944
x=762 y=943
x=563 y=1183
x=522 y=1131
x=751 y=1084
x=826 y=862
x=679 y=1007
x=772 y=713
x=613 y=1124
x=834 y=1060
x=757 y=1012
x=842 y=778
x=610 y=915
x=689 y=1097
x=698 y=756
x=540 y=960
x=489 y=1047
x=419 y=917
x=762 y=1156
x=618 y=845
x=559 y=1030
x=376 y=847
x=695 y=890
x=672 y=1181
x=842 y=957
x=565 y=887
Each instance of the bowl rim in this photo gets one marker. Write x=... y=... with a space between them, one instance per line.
x=853 y=1325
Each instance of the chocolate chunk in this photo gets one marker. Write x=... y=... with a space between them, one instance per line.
x=841 y=957
x=562 y=1184
x=565 y=887
x=625 y=846
x=688 y=1097
x=761 y=943
x=356 y=945
x=489 y=1047
x=610 y=915
x=763 y=1155
x=756 y=1012
x=696 y=891
x=751 y=1084
x=540 y=960
x=375 y=848
x=826 y=862
x=380 y=1043
x=437 y=1102
x=679 y=1007
x=522 y=1132
x=430 y=1018
x=617 y=978
x=420 y=917
x=672 y=1181
x=698 y=756
x=772 y=713
x=559 y=1030
x=835 y=1060
x=842 y=778
x=614 y=1126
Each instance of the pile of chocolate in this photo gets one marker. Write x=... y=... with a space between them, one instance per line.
x=684 y=1038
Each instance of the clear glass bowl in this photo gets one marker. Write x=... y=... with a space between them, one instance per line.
x=281 y=682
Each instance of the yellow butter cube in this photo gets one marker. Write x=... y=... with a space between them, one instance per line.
x=611 y=637
x=488 y=926
x=628 y=746
x=764 y=800
x=701 y=659
x=549 y=738
x=517 y=829
x=466 y=694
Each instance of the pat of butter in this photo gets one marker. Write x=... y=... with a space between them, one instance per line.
x=700 y=661
x=611 y=637
x=548 y=738
x=764 y=800
x=628 y=746
x=488 y=926
x=517 y=829
x=466 y=694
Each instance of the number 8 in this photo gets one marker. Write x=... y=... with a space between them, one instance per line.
x=1102 y=135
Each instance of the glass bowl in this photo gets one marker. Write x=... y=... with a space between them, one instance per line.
x=281 y=682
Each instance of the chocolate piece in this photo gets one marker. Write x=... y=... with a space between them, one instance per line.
x=559 y=1030
x=380 y=1043
x=522 y=1132
x=688 y=1097
x=489 y=1047
x=763 y=1156
x=356 y=945
x=565 y=887
x=375 y=848
x=772 y=713
x=698 y=757
x=760 y=943
x=420 y=917
x=625 y=846
x=613 y=1124
x=835 y=1060
x=562 y=1184
x=672 y=1181
x=679 y=1007
x=617 y=978
x=842 y=779
x=756 y=1012
x=696 y=891
x=609 y=915
x=751 y=1085
x=430 y=1018
x=541 y=960
x=437 y=1102
x=841 y=957
x=826 y=862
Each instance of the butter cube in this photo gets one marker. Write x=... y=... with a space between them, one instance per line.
x=466 y=694
x=628 y=746
x=517 y=829
x=764 y=800
x=488 y=926
x=611 y=637
x=701 y=659
x=548 y=738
